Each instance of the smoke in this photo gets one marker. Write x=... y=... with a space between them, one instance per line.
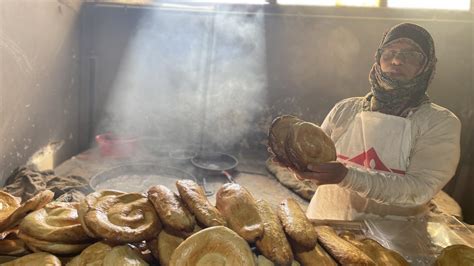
x=190 y=78
x=238 y=81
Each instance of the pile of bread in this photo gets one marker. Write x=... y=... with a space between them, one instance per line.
x=116 y=228
x=297 y=143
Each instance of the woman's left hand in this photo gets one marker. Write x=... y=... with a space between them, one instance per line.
x=325 y=173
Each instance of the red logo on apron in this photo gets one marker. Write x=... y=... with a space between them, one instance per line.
x=370 y=160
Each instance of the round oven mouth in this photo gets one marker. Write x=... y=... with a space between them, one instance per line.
x=138 y=177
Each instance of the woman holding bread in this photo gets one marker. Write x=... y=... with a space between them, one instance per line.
x=395 y=148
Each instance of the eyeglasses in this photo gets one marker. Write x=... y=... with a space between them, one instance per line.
x=409 y=57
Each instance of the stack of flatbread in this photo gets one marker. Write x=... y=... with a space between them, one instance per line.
x=110 y=227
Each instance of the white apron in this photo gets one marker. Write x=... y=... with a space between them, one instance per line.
x=376 y=142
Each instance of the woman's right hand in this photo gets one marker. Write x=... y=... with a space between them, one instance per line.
x=325 y=173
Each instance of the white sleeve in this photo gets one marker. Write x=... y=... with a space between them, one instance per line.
x=433 y=162
x=340 y=116
x=328 y=124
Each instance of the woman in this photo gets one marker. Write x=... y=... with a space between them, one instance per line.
x=396 y=149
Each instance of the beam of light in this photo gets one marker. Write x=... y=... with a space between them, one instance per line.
x=430 y=4
x=187 y=76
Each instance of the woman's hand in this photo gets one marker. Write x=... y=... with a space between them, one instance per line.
x=325 y=173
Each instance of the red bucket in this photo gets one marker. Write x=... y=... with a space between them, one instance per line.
x=113 y=145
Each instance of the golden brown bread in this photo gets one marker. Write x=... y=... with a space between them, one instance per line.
x=123 y=256
x=183 y=234
x=163 y=247
x=196 y=201
x=347 y=235
x=13 y=247
x=8 y=204
x=37 y=245
x=56 y=222
x=11 y=232
x=238 y=207
x=378 y=253
x=119 y=217
x=217 y=245
x=103 y=254
x=316 y=256
x=344 y=252
x=273 y=244
x=308 y=144
x=35 y=203
x=263 y=261
x=92 y=255
x=10 y=244
x=382 y=255
x=296 y=224
x=171 y=210
x=6 y=258
x=35 y=259
x=278 y=134
x=456 y=255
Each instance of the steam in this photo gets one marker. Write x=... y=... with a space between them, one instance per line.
x=190 y=79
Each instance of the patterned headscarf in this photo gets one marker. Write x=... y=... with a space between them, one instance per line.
x=396 y=97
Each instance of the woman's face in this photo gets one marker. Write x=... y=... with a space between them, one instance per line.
x=401 y=60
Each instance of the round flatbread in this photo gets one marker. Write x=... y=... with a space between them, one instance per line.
x=456 y=255
x=56 y=222
x=308 y=144
x=35 y=203
x=278 y=134
x=119 y=217
x=217 y=245
x=92 y=255
x=40 y=258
